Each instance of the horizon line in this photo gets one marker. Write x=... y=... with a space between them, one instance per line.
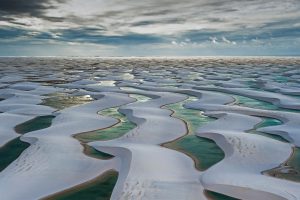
x=219 y=56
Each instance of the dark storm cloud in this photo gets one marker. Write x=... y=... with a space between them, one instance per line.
x=29 y=7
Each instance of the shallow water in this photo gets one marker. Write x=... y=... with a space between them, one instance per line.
x=281 y=79
x=265 y=123
x=11 y=151
x=253 y=103
x=92 y=152
x=110 y=133
x=218 y=196
x=290 y=170
x=97 y=189
x=35 y=124
x=204 y=152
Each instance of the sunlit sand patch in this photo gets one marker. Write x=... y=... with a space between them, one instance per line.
x=204 y=152
x=99 y=188
x=130 y=89
x=61 y=100
x=140 y=98
x=127 y=76
x=107 y=83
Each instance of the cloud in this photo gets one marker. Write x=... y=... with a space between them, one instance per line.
x=153 y=16
x=30 y=7
x=152 y=22
x=186 y=42
x=174 y=42
x=214 y=40
x=224 y=39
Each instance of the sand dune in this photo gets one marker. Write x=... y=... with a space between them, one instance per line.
x=238 y=95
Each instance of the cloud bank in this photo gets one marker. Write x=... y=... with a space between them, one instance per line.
x=165 y=27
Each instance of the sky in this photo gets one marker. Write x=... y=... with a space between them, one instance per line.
x=149 y=27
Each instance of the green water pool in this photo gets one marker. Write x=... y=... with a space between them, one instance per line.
x=117 y=130
x=37 y=123
x=281 y=79
x=92 y=152
x=193 y=118
x=113 y=132
x=97 y=189
x=204 y=151
x=295 y=160
x=217 y=196
x=290 y=170
x=253 y=103
x=11 y=151
x=265 y=123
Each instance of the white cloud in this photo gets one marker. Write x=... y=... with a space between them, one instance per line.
x=214 y=40
x=184 y=43
x=225 y=40
x=164 y=17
